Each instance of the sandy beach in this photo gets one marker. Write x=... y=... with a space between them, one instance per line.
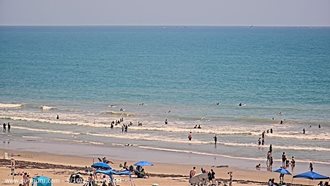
x=59 y=168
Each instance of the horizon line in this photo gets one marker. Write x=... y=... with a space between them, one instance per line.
x=156 y=25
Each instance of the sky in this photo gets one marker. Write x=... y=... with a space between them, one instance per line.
x=166 y=12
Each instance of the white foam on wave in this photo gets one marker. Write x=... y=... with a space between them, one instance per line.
x=281 y=131
x=300 y=136
x=45 y=107
x=10 y=105
x=138 y=136
x=120 y=113
x=297 y=148
x=222 y=155
x=46 y=130
x=31 y=137
x=63 y=122
x=219 y=131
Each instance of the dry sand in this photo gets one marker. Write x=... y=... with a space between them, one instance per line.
x=59 y=168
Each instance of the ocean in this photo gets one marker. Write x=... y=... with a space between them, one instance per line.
x=90 y=76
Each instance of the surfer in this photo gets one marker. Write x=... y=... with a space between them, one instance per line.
x=57 y=116
x=4 y=127
x=165 y=121
x=304 y=131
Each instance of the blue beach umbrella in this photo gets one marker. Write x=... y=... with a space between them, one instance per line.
x=143 y=163
x=311 y=175
x=101 y=165
x=41 y=181
x=282 y=171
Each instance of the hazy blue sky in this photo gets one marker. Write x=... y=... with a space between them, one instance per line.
x=166 y=12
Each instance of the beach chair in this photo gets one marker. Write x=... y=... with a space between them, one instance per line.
x=199 y=180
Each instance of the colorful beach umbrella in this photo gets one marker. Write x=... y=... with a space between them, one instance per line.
x=311 y=175
x=143 y=163
x=282 y=171
x=101 y=165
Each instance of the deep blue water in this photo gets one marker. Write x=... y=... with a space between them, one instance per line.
x=264 y=68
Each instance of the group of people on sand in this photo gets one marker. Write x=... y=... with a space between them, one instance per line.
x=6 y=127
x=325 y=183
x=210 y=174
x=286 y=162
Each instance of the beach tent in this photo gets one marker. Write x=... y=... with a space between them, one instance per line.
x=143 y=163
x=101 y=165
x=311 y=175
x=41 y=181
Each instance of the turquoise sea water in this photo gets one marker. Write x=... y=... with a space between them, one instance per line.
x=179 y=73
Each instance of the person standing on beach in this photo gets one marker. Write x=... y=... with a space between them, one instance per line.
x=293 y=163
x=230 y=178
x=283 y=159
x=269 y=154
x=311 y=166
x=4 y=127
x=189 y=136
x=215 y=139
x=8 y=127
x=281 y=178
x=192 y=172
